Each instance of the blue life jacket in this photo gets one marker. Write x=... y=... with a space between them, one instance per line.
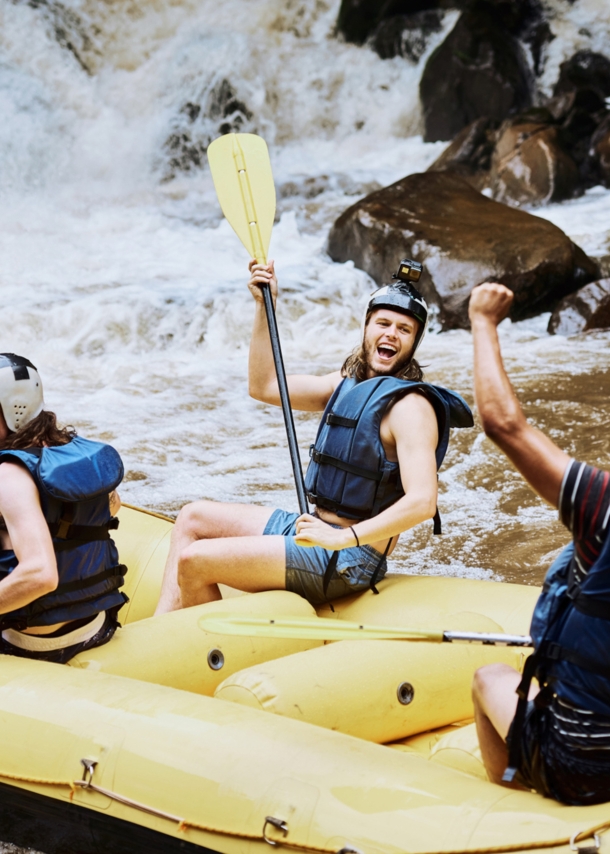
x=74 y=481
x=571 y=635
x=349 y=473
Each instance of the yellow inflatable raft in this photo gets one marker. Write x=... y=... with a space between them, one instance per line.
x=172 y=739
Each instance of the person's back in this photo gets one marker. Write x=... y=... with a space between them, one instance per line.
x=60 y=575
x=556 y=740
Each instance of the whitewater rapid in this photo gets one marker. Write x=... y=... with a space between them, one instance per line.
x=122 y=282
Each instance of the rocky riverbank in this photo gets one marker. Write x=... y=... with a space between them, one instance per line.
x=513 y=143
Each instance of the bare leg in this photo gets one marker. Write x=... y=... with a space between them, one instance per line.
x=203 y=520
x=495 y=702
x=248 y=563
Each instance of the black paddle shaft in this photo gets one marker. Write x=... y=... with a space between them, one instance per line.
x=285 y=399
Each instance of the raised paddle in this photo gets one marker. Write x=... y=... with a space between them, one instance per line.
x=320 y=628
x=242 y=176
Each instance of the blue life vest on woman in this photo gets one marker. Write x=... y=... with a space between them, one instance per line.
x=349 y=473
x=571 y=635
x=74 y=482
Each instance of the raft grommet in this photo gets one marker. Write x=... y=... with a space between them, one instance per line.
x=216 y=659
x=405 y=693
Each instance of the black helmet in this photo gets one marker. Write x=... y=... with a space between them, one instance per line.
x=402 y=296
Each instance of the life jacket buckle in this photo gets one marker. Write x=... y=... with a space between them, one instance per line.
x=573 y=590
x=553 y=651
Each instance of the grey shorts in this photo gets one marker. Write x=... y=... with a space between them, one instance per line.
x=305 y=566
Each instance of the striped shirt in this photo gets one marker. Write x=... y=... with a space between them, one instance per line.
x=584 y=508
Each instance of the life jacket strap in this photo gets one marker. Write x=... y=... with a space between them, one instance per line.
x=438 y=528
x=377 y=569
x=340 y=421
x=590 y=605
x=326 y=459
x=83 y=584
x=515 y=751
x=72 y=536
x=331 y=566
x=555 y=652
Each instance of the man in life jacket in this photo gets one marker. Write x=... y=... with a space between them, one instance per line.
x=60 y=575
x=555 y=740
x=372 y=475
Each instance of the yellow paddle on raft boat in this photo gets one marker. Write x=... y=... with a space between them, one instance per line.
x=326 y=629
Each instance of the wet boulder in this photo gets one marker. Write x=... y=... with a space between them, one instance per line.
x=479 y=70
x=584 y=70
x=600 y=153
x=406 y=35
x=587 y=308
x=529 y=166
x=358 y=19
x=462 y=238
x=470 y=153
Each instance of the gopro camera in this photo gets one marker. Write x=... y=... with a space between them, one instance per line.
x=409 y=271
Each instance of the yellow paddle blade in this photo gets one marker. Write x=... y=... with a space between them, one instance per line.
x=309 y=629
x=243 y=180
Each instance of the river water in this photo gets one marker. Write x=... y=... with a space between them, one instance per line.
x=121 y=281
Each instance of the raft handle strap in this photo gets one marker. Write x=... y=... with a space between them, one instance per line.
x=274 y=822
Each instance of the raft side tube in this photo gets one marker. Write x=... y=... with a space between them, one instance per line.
x=172 y=650
x=226 y=768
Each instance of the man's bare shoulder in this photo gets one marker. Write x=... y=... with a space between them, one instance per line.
x=413 y=414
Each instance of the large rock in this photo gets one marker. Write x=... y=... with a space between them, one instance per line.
x=600 y=152
x=584 y=70
x=463 y=239
x=530 y=167
x=470 y=153
x=479 y=70
x=588 y=308
x=358 y=19
x=406 y=35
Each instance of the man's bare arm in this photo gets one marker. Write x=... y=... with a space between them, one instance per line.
x=308 y=393
x=413 y=426
x=538 y=459
x=36 y=571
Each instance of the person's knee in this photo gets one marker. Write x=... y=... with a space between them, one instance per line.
x=191 y=567
x=191 y=521
x=486 y=677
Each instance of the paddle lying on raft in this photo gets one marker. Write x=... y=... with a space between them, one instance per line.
x=324 y=629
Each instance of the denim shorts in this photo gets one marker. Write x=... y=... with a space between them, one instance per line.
x=305 y=566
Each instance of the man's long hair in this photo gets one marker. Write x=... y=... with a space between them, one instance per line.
x=356 y=366
x=42 y=431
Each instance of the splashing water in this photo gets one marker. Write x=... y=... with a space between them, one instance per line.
x=123 y=283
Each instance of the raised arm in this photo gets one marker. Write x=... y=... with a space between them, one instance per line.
x=538 y=459
x=36 y=571
x=307 y=392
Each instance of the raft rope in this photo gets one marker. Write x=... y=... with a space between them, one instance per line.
x=183 y=824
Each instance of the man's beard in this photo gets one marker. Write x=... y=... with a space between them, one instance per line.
x=393 y=370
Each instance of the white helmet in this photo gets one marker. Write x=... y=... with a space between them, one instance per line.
x=20 y=391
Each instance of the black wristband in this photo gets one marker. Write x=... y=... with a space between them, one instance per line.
x=351 y=527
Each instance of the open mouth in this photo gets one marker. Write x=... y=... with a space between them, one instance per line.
x=386 y=353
